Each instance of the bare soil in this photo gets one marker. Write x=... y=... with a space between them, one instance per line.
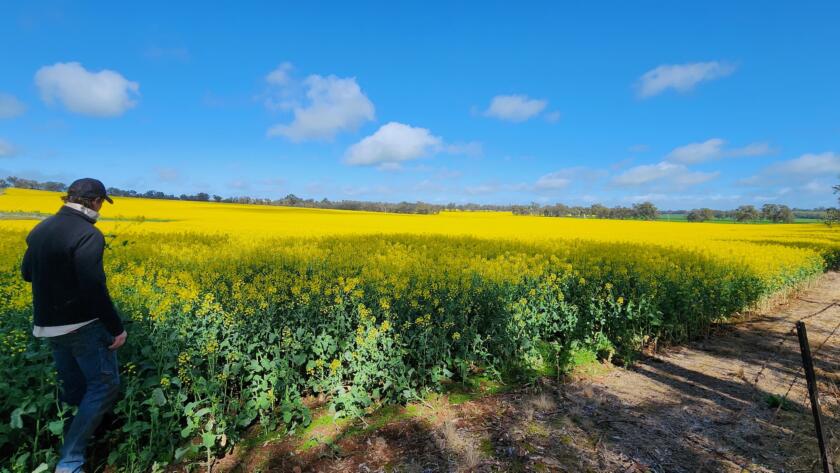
x=716 y=405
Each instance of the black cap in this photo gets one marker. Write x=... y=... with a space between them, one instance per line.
x=88 y=188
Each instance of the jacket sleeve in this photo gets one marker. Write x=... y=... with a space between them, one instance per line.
x=26 y=266
x=91 y=276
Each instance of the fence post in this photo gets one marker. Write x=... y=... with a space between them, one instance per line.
x=808 y=364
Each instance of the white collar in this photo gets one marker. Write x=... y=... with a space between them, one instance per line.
x=90 y=213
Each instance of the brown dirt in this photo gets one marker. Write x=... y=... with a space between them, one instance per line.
x=706 y=406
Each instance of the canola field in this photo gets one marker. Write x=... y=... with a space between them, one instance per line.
x=240 y=314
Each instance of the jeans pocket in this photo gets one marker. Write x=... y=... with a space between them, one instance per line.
x=108 y=366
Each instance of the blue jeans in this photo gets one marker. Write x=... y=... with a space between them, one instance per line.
x=87 y=371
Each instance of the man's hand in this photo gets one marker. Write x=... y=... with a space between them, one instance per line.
x=119 y=340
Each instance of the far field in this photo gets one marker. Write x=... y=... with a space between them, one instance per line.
x=245 y=320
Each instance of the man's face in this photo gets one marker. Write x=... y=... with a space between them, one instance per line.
x=97 y=203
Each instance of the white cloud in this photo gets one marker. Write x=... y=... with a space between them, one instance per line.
x=10 y=106
x=101 y=94
x=809 y=165
x=697 y=152
x=393 y=143
x=680 y=77
x=810 y=176
x=712 y=149
x=675 y=174
x=684 y=179
x=563 y=177
x=334 y=105
x=6 y=149
x=280 y=75
x=817 y=186
x=554 y=180
x=515 y=108
x=752 y=149
x=750 y=181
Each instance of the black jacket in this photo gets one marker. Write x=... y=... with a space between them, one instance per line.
x=63 y=261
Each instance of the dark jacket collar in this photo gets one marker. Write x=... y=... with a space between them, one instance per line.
x=65 y=210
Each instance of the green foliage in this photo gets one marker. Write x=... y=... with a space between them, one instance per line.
x=223 y=338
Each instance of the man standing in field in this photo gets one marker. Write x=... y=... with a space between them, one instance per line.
x=73 y=310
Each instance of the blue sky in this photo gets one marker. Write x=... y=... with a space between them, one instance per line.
x=711 y=104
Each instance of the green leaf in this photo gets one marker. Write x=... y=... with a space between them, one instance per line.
x=208 y=440
x=22 y=460
x=41 y=468
x=202 y=412
x=158 y=397
x=180 y=452
x=16 y=421
x=56 y=427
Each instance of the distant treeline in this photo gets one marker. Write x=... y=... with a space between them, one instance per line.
x=641 y=211
x=776 y=213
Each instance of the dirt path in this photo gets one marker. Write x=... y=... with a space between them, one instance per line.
x=709 y=406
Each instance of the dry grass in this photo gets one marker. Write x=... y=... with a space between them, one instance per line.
x=544 y=403
x=459 y=444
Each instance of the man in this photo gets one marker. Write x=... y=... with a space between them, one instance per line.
x=73 y=310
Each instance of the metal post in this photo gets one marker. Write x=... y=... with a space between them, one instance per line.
x=808 y=364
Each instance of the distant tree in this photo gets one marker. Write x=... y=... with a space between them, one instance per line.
x=645 y=211
x=21 y=183
x=121 y=193
x=4 y=183
x=53 y=186
x=768 y=211
x=777 y=213
x=290 y=199
x=785 y=215
x=217 y=198
x=832 y=216
x=599 y=211
x=577 y=211
x=746 y=213
x=700 y=215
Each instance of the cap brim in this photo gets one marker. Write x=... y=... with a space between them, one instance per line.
x=110 y=201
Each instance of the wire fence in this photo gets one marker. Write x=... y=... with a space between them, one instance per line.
x=797 y=376
x=799 y=372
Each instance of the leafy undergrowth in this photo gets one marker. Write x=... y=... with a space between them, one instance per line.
x=328 y=439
